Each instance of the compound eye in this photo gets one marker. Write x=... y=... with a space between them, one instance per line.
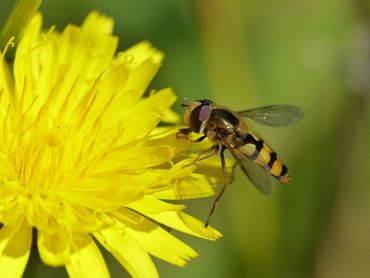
x=198 y=116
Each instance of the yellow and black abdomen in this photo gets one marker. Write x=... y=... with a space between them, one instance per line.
x=261 y=153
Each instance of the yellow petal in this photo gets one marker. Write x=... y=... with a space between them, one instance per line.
x=46 y=77
x=170 y=116
x=180 y=182
x=135 y=159
x=5 y=170
x=86 y=199
x=15 y=247
x=126 y=125
x=129 y=254
x=159 y=242
x=167 y=135
x=141 y=76
x=22 y=63
x=53 y=247
x=139 y=53
x=95 y=26
x=109 y=192
x=190 y=187
x=74 y=83
x=142 y=61
x=133 y=124
x=96 y=36
x=6 y=84
x=87 y=262
x=170 y=216
x=10 y=208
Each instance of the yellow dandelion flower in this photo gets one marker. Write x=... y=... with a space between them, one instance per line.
x=82 y=159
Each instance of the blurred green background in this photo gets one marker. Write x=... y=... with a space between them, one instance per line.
x=313 y=54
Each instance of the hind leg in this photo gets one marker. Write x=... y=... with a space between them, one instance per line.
x=227 y=182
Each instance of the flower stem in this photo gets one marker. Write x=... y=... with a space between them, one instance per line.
x=19 y=17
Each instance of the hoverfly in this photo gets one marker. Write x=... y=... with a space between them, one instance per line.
x=229 y=130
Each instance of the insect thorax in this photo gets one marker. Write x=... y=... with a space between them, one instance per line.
x=225 y=128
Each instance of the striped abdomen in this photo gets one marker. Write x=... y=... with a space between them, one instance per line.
x=258 y=151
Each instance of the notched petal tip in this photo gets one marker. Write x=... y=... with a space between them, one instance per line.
x=97 y=24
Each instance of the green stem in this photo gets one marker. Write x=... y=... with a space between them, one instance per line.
x=20 y=16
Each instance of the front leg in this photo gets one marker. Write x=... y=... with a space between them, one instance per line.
x=183 y=133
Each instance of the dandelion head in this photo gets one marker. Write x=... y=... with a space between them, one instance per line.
x=83 y=161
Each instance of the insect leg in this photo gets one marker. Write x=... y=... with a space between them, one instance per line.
x=200 y=139
x=214 y=149
x=224 y=169
x=204 y=155
x=184 y=132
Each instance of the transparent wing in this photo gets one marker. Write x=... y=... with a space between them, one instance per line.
x=259 y=177
x=274 y=115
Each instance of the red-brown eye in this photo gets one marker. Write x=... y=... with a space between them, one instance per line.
x=198 y=116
